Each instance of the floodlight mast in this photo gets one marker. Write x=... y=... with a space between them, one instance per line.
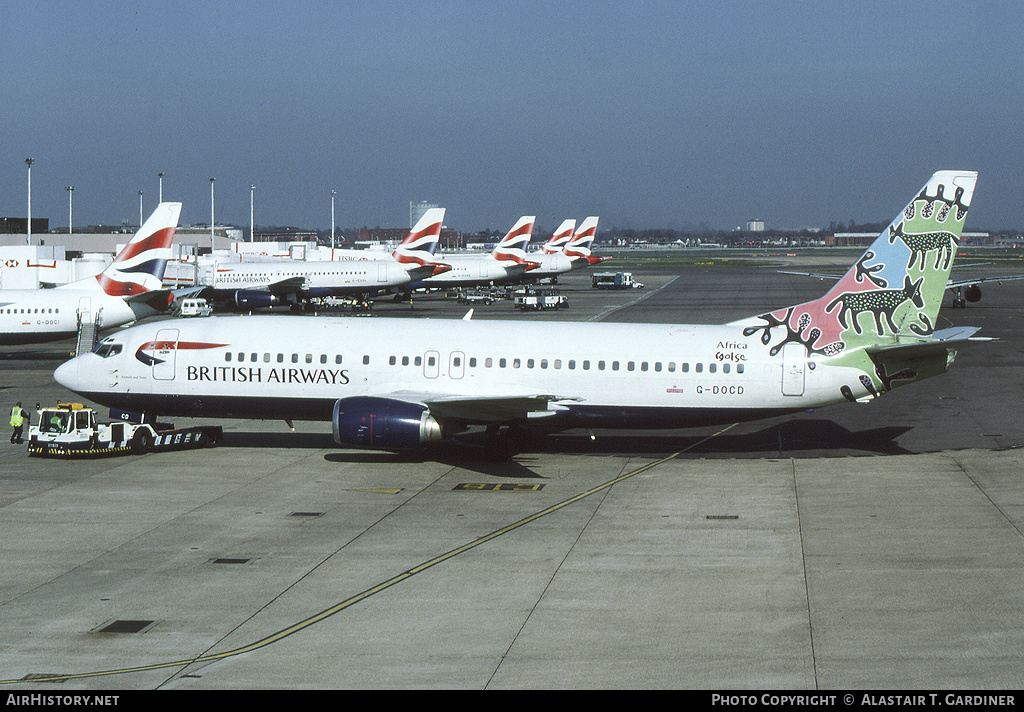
x=71 y=191
x=28 y=235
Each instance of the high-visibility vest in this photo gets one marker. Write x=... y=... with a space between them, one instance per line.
x=17 y=416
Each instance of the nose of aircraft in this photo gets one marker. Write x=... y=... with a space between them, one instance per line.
x=67 y=374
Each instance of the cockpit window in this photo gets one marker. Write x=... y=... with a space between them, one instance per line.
x=106 y=349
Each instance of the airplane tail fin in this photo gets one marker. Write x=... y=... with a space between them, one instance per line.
x=419 y=245
x=894 y=290
x=139 y=267
x=559 y=239
x=512 y=247
x=578 y=248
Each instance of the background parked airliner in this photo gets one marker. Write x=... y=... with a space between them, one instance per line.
x=559 y=238
x=402 y=383
x=507 y=259
x=253 y=285
x=128 y=289
x=575 y=252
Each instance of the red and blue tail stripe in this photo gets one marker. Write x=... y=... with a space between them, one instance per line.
x=140 y=266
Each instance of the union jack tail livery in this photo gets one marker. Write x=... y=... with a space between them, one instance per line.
x=578 y=248
x=419 y=245
x=512 y=247
x=139 y=267
x=561 y=237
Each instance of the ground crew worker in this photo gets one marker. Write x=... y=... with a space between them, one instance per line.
x=17 y=422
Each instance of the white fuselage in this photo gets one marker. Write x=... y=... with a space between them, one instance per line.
x=552 y=265
x=599 y=375
x=468 y=271
x=339 y=276
x=37 y=315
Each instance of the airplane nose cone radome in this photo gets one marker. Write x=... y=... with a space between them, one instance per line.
x=67 y=374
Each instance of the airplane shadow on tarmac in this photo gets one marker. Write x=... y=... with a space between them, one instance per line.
x=802 y=438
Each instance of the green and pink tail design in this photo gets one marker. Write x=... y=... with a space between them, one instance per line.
x=894 y=290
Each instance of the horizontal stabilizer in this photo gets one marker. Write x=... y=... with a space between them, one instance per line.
x=942 y=341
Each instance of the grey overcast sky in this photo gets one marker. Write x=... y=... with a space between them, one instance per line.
x=647 y=113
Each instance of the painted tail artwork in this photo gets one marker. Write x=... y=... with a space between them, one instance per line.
x=512 y=247
x=139 y=267
x=881 y=316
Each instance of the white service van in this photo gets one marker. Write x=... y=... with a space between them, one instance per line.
x=195 y=307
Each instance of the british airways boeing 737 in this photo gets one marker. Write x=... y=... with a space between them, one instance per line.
x=128 y=289
x=398 y=383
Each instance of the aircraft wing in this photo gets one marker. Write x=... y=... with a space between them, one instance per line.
x=159 y=300
x=483 y=409
x=817 y=275
x=284 y=286
x=950 y=284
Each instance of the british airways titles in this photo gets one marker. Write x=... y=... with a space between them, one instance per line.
x=256 y=374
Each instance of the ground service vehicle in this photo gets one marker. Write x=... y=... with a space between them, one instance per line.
x=71 y=430
x=614 y=280
x=195 y=307
x=530 y=299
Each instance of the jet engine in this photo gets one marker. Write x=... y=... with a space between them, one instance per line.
x=383 y=423
x=252 y=299
x=973 y=293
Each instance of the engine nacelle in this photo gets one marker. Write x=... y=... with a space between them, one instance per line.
x=383 y=423
x=973 y=293
x=252 y=299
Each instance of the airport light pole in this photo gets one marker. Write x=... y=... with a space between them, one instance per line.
x=71 y=191
x=140 y=208
x=28 y=236
x=161 y=177
x=333 y=193
x=211 y=212
x=252 y=225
